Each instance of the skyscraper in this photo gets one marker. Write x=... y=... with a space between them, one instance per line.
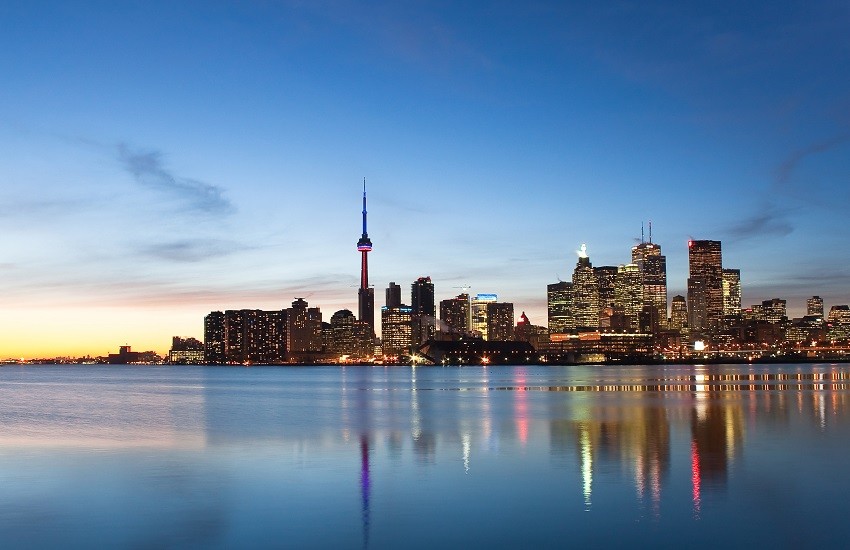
x=731 y=292
x=396 y=333
x=628 y=293
x=422 y=297
x=678 y=313
x=653 y=267
x=478 y=310
x=393 y=295
x=500 y=321
x=585 y=303
x=705 y=287
x=814 y=306
x=366 y=294
x=605 y=277
x=454 y=312
x=559 y=298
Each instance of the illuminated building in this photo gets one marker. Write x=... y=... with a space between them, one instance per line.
x=814 y=306
x=774 y=310
x=606 y=276
x=454 y=312
x=126 y=356
x=558 y=306
x=478 y=311
x=500 y=321
x=705 y=288
x=838 y=323
x=731 y=292
x=393 y=295
x=396 y=330
x=343 y=340
x=366 y=294
x=678 y=313
x=585 y=302
x=653 y=267
x=214 y=338
x=303 y=329
x=186 y=351
x=628 y=293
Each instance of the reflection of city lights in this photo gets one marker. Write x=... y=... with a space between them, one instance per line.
x=466 y=443
x=586 y=466
x=695 y=478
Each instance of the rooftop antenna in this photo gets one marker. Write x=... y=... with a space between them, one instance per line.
x=641 y=234
x=650 y=231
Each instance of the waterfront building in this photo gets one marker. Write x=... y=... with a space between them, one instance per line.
x=186 y=351
x=628 y=294
x=585 y=299
x=814 y=306
x=303 y=329
x=214 y=339
x=396 y=333
x=500 y=321
x=558 y=306
x=535 y=335
x=705 y=287
x=478 y=312
x=343 y=339
x=838 y=323
x=365 y=294
x=454 y=312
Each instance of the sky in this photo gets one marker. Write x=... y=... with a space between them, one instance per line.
x=161 y=160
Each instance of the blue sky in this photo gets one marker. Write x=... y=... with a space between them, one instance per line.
x=159 y=160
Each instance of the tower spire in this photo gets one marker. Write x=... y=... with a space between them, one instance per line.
x=650 y=231
x=365 y=234
x=641 y=233
x=366 y=294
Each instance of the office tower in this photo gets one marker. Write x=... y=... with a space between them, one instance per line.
x=396 y=330
x=478 y=311
x=814 y=306
x=705 y=287
x=773 y=310
x=838 y=323
x=585 y=303
x=628 y=294
x=393 y=295
x=678 y=313
x=303 y=328
x=343 y=340
x=500 y=321
x=653 y=267
x=214 y=337
x=558 y=305
x=366 y=294
x=422 y=297
x=605 y=278
x=731 y=292
x=454 y=312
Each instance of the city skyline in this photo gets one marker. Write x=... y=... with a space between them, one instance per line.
x=154 y=171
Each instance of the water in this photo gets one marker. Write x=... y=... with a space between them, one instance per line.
x=738 y=456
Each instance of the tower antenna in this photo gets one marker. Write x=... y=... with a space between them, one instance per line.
x=650 y=231
x=641 y=234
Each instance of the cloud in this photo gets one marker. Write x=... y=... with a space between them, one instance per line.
x=769 y=221
x=148 y=170
x=789 y=165
x=191 y=250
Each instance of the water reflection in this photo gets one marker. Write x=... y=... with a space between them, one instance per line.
x=377 y=451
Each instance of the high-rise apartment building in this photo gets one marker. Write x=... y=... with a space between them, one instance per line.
x=500 y=321
x=705 y=287
x=245 y=336
x=303 y=328
x=628 y=294
x=422 y=297
x=478 y=311
x=558 y=305
x=214 y=339
x=454 y=312
x=585 y=302
x=396 y=331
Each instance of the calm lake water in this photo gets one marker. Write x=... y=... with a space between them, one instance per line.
x=379 y=457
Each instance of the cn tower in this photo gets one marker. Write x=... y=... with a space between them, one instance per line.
x=366 y=294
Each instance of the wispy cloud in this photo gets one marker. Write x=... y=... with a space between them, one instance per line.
x=789 y=165
x=191 y=250
x=148 y=170
x=768 y=221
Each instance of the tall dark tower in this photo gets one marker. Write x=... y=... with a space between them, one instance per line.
x=366 y=294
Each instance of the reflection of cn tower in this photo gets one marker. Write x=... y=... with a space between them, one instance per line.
x=366 y=295
x=364 y=485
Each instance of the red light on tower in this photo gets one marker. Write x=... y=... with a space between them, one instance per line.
x=690 y=244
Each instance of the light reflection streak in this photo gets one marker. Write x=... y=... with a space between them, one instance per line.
x=586 y=465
